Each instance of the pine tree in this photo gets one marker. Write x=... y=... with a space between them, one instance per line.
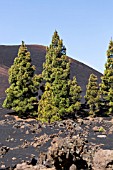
x=74 y=96
x=21 y=95
x=110 y=49
x=106 y=85
x=56 y=72
x=110 y=98
x=54 y=51
x=92 y=96
x=47 y=112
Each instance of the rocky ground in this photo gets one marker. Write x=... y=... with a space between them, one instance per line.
x=66 y=145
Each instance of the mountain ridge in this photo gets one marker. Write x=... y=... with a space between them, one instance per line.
x=38 y=52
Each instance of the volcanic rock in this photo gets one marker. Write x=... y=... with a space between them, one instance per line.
x=103 y=160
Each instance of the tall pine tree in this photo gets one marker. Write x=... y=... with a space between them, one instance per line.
x=21 y=95
x=74 y=96
x=56 y=73
x=106 y=85
x=92 y=96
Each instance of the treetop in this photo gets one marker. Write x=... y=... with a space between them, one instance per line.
x=110 y=48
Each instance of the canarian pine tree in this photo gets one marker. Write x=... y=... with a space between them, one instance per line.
x=47 y=111
x=92 y=96
x=74 y=96
x=21 y=95
x=106 y=85
x=50 y=57
x=56 y=73
x=110 y=99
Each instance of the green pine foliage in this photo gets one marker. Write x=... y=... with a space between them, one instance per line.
x=74 y=96
x=55 y=100
x=21 y=95
x=92 y=96
x=106 y=85
x=110 y=99
x=47 y=111
x=56 y=71
x=60 y=75
x=55 y=51
x=107 y=80
x=110 y=49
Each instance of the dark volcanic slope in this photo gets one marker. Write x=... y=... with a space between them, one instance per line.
x=8 y=53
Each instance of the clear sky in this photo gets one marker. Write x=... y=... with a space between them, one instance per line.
x=86 y=26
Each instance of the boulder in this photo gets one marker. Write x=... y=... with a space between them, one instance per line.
x=103 y=160
x=66 y=153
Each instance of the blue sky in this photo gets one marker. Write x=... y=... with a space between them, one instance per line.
x=86 y=26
